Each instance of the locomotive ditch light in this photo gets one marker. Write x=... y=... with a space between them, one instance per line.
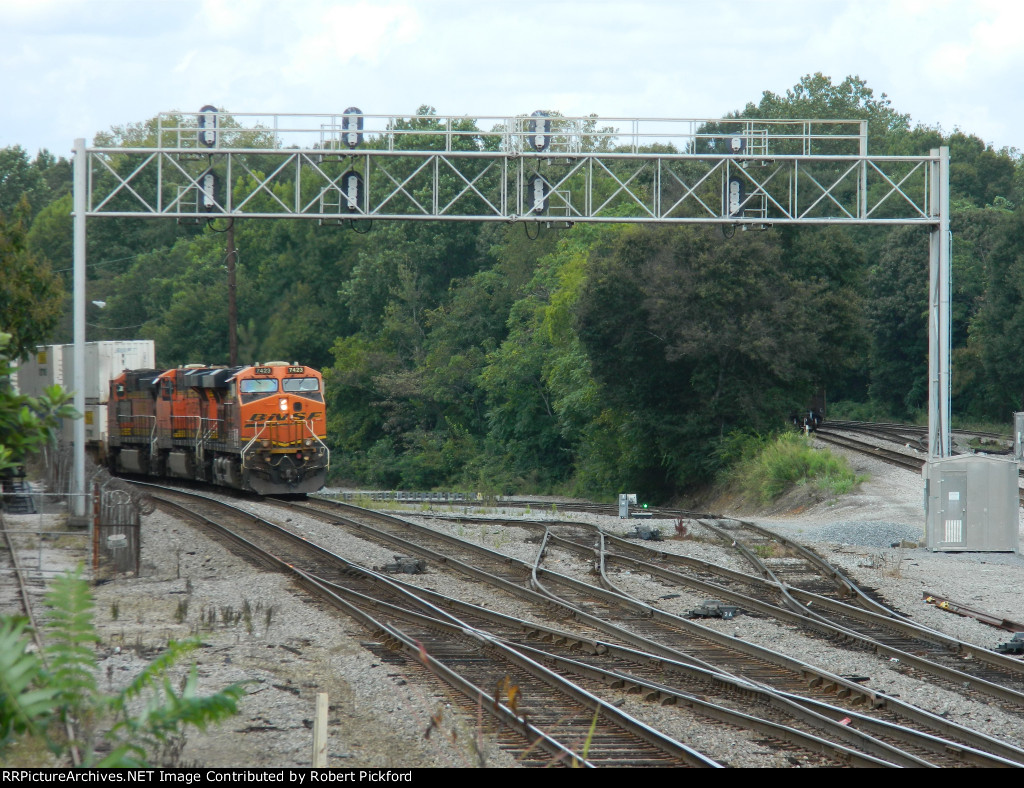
x=207 y=121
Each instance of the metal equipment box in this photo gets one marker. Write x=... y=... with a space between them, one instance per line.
x=972 y=504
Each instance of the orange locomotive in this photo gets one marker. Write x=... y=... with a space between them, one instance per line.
x=258 y=428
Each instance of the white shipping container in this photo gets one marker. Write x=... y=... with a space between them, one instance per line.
x=95 y=419
x=44 y=368
x=104 y=361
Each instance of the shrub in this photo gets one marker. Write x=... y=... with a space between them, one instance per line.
x=35 y=694
x=777 y=465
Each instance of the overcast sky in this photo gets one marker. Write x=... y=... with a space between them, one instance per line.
x=71 y=68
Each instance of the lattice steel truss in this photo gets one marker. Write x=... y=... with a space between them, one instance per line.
x=538 y=168
x=751 y=172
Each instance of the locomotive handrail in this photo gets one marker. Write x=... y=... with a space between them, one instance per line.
x=154 y=439
x=309 y=428
x=259 y=431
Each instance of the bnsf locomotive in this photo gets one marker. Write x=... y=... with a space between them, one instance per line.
x=258 y=428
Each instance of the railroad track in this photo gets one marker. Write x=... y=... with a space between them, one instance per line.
x=18 y=588
x=809 y=747
x=551 y=715
x=650 y=629
x=958 y=664
x=891 y=456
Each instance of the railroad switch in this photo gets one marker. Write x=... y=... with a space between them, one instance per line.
x=404 y=565
x=1014 y=646
x=712 y=608
x=644 y=532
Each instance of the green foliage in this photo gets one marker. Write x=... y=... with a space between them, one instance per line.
x=25 y=708
x=602 y=358
x=27 y=424
x=30 y=295
x=145 y=720
x=774 y=466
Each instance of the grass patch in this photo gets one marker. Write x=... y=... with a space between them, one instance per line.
x=775 y=466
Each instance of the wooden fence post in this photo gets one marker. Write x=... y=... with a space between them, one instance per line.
x=320 y=732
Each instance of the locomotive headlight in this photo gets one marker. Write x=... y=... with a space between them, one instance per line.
x=283 y=404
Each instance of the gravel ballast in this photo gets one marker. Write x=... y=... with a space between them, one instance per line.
x=385 y=715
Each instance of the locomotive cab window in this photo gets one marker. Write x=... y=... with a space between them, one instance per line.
x=296 y=385
x=258 y=386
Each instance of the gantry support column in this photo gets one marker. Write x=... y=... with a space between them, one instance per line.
x=939 y=315
x=79 y=508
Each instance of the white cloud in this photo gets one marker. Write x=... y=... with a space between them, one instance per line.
x=74 y=67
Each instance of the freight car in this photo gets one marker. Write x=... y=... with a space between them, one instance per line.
x=259 y=428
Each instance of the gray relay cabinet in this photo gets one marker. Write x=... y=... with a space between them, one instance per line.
x=972 y=502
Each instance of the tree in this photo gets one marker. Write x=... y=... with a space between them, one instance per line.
x=897 y=316
x=18 y=178
x=30 y=294
x=996 y=342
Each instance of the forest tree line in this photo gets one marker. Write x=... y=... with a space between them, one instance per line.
x=590 y=360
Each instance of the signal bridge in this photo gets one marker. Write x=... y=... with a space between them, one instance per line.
x=540 y=168
x=536 y=168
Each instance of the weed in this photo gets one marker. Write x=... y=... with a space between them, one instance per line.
x=247 y=615
x=181 y=613
x=115 y=610
x=889 y=564
x=770 y=550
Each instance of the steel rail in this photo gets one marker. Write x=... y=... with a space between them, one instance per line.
x=807 y=617
x=441 y=618
x=829 y=682
x=618 y=718
x=840 y=580
x=807 y=602
x=814 y=713
x=873 y=752
x=816 y=678
x=885 y=455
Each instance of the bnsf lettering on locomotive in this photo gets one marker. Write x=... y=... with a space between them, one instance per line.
x=260 y=418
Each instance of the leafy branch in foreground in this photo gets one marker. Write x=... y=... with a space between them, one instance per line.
x=147 y=719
